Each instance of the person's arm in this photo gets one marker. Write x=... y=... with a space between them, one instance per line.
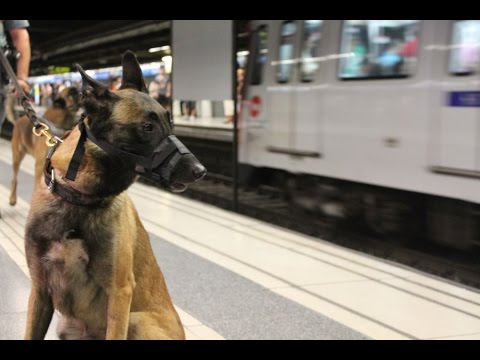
x=21 y=40
x=169 y=90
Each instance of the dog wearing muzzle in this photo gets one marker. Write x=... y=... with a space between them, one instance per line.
x=88 y=253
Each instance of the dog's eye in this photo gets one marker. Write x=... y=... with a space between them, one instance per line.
x=153 y=116
x=147 y=127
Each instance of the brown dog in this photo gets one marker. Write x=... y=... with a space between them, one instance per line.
x=94 y=263
x=61 y=116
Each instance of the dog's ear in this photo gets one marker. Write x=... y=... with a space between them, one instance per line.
x=60 y=103
x=91 y=84
x=95 y=95
x=132 y=73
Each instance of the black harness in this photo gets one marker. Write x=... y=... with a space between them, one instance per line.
x=159 y=167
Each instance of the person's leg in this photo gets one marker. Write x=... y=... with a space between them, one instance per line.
x=3 y=97
x=191 y=109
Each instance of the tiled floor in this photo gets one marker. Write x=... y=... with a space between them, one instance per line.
x=235 y=277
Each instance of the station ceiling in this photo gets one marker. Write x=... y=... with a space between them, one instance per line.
x=98 y=43
x=93 y=43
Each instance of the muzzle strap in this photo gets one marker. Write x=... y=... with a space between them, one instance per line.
x=166 y=148
x=79 y=152
x=166 y=171
x=109 y=149
x=116 y=152
x=170 y=148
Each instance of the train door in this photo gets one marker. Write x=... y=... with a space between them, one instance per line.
x=281 y=92
x=307 y=103
x=253 y=107
x=458 y=126
x=253 y=114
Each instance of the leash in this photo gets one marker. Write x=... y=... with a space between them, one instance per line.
x=39 y=128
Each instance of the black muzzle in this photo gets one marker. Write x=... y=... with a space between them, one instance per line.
x=165 y=159
x=158 y=167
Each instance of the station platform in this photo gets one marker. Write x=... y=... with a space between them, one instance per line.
x=204 y=122
x=234 y=277
x=209 y=128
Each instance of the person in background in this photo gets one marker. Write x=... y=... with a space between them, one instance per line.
x=240 y=83
x=21 y=41
x=190 y=109
x=409 y=48
x=161 y=88
x=391 y=60
x=115 y=83
x=354 y=64
x=45 y=92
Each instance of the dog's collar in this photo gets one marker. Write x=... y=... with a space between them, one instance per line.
x=68 y=194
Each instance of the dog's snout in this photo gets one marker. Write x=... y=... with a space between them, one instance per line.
x=199 y=171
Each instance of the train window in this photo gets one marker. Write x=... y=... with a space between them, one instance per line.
x=378 y=49
x=286 y=51
x=465 y=48
x=260 y=54
x=311 y=43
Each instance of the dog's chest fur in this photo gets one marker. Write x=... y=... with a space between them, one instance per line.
x=72 y=284
x=74 y=247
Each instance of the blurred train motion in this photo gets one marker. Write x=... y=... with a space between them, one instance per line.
x=372 y=121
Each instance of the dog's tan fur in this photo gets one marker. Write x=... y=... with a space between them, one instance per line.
x=24 y=142
x=133 y=294
x=95 y=265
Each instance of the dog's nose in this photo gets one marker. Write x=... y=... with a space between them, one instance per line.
x=199 y=171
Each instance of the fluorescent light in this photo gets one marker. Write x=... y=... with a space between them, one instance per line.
x=167 y=60
x=161 y=48
x=243 y=53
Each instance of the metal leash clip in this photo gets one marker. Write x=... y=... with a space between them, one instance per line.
x=52 y=140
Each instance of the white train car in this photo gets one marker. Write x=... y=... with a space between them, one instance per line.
x=392 y=104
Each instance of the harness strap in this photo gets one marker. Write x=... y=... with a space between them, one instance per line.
x=68 y=194
x=79 y=152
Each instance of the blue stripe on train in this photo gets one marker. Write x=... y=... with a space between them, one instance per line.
x=464 y=98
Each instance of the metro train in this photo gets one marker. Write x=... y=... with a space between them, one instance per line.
x=377 y=120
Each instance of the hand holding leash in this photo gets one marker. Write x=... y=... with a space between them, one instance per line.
x=24 y=85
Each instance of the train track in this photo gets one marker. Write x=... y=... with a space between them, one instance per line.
x=266 y=204
x=269 y=204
